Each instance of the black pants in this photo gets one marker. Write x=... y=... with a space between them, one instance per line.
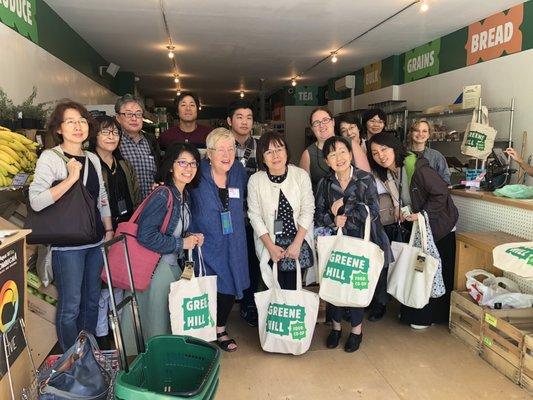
x=248 y=300
x=437 y=310
x=224 y=306
x=356 y=314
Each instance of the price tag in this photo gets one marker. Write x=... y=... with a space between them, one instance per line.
x=188 y=270
x=420 y=264
x=487 y=341
x=491 y=320
x=20 y=179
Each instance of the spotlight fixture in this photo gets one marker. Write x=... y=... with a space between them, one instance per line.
x=170 y=51
x=424 y=6
x=176 y=79
x=178 y=93
x=334 y=57
x=200 y=108
x=293 y=81
x=242 y=94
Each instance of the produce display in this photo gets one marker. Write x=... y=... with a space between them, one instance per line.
x=17 y=154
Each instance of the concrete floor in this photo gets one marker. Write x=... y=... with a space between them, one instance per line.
x=393 y=362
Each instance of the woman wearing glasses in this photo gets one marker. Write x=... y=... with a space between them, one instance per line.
x=374 y=121
x=312 y=160
x=218 y=212
x=76 y=268
x=179 y=172
x=281 y=208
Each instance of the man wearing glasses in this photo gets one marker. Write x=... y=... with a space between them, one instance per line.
x=138 y=147
x=241 y=120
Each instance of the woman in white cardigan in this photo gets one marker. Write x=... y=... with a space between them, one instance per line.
x=280 y=207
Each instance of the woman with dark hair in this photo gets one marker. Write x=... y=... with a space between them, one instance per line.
x=218 y=212
x=374 y=121
x=179 y=173
x=423 y=190
x=340 y=204
x=312 y=160
x=350 y=128
x=76 y=268
x=280 y=208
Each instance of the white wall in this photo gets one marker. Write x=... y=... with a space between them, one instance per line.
x=501 y=79
x=23 y=65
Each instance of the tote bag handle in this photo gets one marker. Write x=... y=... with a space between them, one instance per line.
x=298 y=275
x=366 y=236
x=419 y=226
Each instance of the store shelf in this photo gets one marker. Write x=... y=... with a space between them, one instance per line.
x=450 y=113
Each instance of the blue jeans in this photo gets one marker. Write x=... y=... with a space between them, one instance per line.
x=77 y=277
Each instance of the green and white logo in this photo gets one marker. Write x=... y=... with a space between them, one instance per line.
x=522 y=253
x=196 y=313
x=476 y=139
x=285 y=320
x=20 y=16
x=422 y=61
x=347 y=269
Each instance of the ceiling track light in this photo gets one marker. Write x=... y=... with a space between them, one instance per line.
x=334 y=58
x=293 y=81
x=176 y=78
x=424 y=6
x=242 y=94
x=170 y=49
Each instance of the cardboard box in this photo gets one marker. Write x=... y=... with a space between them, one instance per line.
x=42 y=337
x=42 y=308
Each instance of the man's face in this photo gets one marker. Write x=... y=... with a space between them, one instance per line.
x=130 y=117
x=187 y=110
x=242 y=121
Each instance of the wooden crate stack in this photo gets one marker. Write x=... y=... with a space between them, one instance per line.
x=466 y=318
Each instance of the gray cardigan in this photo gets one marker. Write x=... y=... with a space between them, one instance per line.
x=50 y=168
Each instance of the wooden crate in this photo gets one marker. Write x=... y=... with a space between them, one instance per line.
x=503 y=334
x=526 y=373
x=466 y=318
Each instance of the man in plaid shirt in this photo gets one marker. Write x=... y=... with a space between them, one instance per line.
x=136 y=146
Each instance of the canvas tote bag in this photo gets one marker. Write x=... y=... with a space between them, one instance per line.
x=515 y=257
x=287 y=318
x=193 y=304
x=349 y=268
x=411 y=275
x=478 y=140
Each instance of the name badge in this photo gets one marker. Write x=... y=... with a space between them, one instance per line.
x=188 y=270
x=225 y=219
x=278 y=226
x=122 y=207
x=234 y=193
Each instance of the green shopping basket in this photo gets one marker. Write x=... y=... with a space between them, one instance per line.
x=169 y=366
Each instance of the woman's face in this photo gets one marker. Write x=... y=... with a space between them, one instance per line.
x=222 y=155
x=375 y=125
x=339 y=159
x=323 y=125
x=74 y=128
x=275 y=158
x=349 y=130
x=383 y=156
x=107 y=138
x=184 y=169
x=420 y=134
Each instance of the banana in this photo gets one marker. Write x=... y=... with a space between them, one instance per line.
x=8 y=181
x=6 y=149
x=8 y=135
x=8 y=159
x=9 y=168
x=3 y=128
x=3 y=172
x=2 y=183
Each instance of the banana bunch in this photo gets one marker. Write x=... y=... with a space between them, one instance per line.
x=17 y=154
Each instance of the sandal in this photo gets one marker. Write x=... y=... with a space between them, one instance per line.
x=224 y=344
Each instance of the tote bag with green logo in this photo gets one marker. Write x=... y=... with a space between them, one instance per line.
x=479 y=137
x=515 y=257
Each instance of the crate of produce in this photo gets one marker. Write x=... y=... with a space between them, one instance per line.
x=172 y=367
x=466 y=318
x=503 y=335
x=526 y=373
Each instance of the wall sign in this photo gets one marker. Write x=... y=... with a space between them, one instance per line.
x=422 y=61
x=499 y=33
x=20 y=15
x=306 y=96
x=372 y=77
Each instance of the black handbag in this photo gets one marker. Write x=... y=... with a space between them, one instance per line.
x=77 y=374
x=71 y=221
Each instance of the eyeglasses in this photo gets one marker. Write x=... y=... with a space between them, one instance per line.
x=222 y=152
x=377 y=121
x=324 y=121
x=337 y=153
x=274 y=152
x=185 y=164
x=130 y=115
x=71 y=123
x=108 y=132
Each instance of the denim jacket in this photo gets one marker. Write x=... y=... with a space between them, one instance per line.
x=151 y=219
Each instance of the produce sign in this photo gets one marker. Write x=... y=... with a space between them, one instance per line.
x=17 y=154
x=490 y=38
x=422 y=61
x=20 y=15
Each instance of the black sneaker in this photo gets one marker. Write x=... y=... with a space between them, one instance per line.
x=333 y=339
x=377 y=312
x=250 y=316
x=353 y=342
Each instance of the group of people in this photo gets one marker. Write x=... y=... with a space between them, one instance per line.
x=245 y=204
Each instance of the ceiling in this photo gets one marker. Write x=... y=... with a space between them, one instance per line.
x=223 y=47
